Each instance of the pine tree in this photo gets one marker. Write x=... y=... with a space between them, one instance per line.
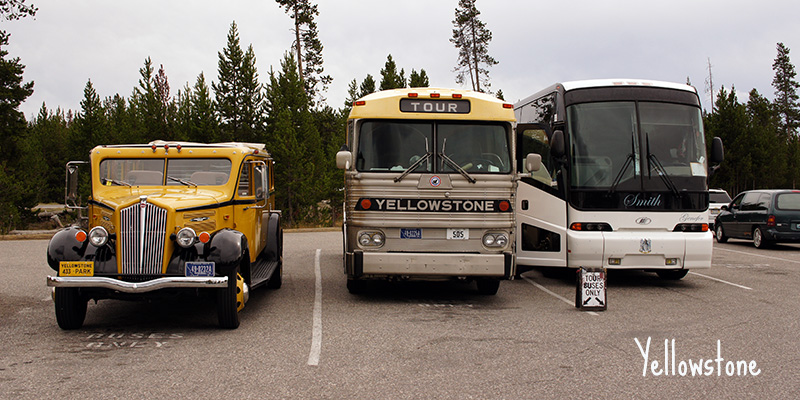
x=150 y=104
x=205 y=126
x=252 y=100
x=471 y=38
x=16 y=9
x=418 y=79
x=13 y=93
x=367 y=86
x=16 y=195
x=182 y=123
x=293 y=141
x=90 y=127
x=238 y=93
x=729 y=122
x=352 y=95
x=120 y=120
x=49 y=133
x=390 y=79
x=768 y=151
x=307 y=47
x=786 y=97
x=331 y=125
x=228 y=90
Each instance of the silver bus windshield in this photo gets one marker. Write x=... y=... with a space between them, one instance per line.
x=396 y=146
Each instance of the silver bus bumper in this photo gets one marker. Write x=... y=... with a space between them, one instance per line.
x=431 y=264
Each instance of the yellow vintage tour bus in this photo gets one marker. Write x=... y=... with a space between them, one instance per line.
x=429 y=186
x=169 y=217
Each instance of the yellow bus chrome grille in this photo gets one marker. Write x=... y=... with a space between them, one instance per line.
x=142 y=234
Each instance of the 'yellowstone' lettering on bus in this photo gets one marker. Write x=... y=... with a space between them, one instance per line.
x=433 y=205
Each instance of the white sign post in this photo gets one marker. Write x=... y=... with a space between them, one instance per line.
x=590 y=293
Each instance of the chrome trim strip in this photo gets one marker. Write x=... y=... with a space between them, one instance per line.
x=142 y=219
x=137 y=287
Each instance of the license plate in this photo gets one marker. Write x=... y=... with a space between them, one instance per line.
x=457 y=234
x=198 y=268
x=410 y=233
x=797 y=227
x=76 y=268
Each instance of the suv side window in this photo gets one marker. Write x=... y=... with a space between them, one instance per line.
x=764 y=201
x=737 y=202
x=750 y=201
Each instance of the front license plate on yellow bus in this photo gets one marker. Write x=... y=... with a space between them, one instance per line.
x=200 y=268
x=76 y=268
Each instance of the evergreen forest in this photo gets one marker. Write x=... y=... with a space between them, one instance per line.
x=286 y=110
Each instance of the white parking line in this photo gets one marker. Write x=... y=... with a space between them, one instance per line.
x=757 y=255
x=316 y=332
x=551 y=293
x=720 y=280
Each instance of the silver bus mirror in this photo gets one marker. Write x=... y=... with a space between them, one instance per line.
x=533 y=162
x=344 y=159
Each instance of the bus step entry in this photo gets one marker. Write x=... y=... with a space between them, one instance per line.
x=590 y=293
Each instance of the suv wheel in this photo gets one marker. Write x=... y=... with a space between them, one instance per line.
x=758 y=239
x=720 y=234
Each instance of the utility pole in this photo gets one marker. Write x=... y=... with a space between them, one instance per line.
x=710 y=85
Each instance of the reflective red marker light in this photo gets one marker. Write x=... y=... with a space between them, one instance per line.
x=366 y=204
x=204 y=237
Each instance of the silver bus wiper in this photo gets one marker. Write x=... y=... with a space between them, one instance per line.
x=457 y=167
x=413 y=166
x=454 y=165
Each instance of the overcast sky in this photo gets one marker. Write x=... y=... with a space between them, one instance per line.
x=537 y=43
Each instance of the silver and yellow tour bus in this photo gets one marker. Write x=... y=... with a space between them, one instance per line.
x=429 y=186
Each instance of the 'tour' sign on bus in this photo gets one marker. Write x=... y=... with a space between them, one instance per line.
x=435 y=106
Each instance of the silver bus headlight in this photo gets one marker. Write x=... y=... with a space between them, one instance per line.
x=371 y=238
x=495 y=240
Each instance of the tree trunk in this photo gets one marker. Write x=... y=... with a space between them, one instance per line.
x=298 y=46
x=476 y=81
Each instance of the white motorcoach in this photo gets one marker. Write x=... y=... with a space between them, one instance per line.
x=623 y=183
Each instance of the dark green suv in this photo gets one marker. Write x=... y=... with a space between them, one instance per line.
x=765 y=216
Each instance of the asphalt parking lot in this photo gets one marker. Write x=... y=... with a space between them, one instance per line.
x=312 y=339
